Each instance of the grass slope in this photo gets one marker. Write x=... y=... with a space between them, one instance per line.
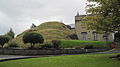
x=76 y=43
x=84 y=60
x=49 y=30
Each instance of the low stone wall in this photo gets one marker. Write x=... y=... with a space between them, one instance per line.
x=46 y=52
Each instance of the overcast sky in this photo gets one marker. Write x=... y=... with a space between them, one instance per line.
x=20 y=14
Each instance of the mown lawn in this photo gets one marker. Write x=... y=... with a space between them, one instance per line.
x=83 y=60
x=74 y=43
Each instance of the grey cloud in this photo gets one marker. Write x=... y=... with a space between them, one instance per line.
x=19 y=14
x=17 y=7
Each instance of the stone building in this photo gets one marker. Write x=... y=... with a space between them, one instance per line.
x=85 y=34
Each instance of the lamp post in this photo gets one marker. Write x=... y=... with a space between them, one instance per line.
x=105 y=36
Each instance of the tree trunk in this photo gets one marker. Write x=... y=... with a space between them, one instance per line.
x=2 y=46
x=32 y=45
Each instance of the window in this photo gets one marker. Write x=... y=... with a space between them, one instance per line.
x=84 y=35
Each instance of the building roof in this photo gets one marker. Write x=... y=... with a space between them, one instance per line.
x=72 y=25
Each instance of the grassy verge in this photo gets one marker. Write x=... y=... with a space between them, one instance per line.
x=84 y=60
x=74 y=43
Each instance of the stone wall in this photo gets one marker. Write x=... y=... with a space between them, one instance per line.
x=46 y=52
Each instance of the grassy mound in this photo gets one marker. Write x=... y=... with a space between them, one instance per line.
x=78 y=43
x=49 y=30
x=84 y=60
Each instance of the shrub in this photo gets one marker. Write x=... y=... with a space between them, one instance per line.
x=88 y=46
x=56 y=43
x=73 y=36
x=78 y=47
x=46 y=45
x=33 y=38
x=12 y=45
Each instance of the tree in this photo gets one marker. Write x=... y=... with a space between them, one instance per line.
x=117 y=37
x=108 y=15
x=10 y=34
x=32 y=26
x=98 y=23
x=3 y=40
x=33 y=38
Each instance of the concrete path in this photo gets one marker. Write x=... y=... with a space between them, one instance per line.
x=110 y=51
x=10 y=56
x=14 y=57
x=107 y=52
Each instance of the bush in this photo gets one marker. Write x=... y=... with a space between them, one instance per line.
x=73 y=36
x=56 y=43
x=12 y=45
x=78 y=47
x=88 y=46
x=46 y=45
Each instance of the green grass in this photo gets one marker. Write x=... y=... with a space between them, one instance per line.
x=74 y=43
x=83 y=60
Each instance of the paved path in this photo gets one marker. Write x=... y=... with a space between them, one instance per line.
x=10 y=56
x=110 y=51
x=107 y=52
x=14 y=57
